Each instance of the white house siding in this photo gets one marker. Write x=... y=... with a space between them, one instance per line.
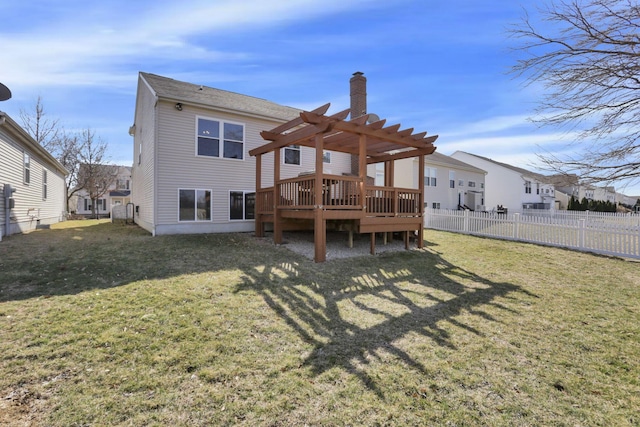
x=406 y=175
x=144 y=161
x=505 y=186
x=31 y=208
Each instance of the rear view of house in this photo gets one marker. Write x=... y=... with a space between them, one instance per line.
x=192 y=172
x=32 y=186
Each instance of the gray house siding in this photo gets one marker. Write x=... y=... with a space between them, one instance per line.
x=32 y=206
x=144 y=158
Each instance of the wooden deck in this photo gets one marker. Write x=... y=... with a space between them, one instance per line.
x=320 y=201
x=385 y=209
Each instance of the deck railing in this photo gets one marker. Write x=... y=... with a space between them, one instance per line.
x=342 y=193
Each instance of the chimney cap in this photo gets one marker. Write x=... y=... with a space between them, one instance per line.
x=358 y=73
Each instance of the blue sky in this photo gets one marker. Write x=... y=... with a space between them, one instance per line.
x=436 y=66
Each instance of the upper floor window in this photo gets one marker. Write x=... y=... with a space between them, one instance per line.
x=326 y=156
x=292 y=155
x=122 y=184
x=472 y=183
x=461 y=183
x=430 y=177
x=527 y=187
x=452 y=179
x=217 y=138
x=27 y=169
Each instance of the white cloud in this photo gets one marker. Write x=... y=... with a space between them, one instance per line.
x=81 y=52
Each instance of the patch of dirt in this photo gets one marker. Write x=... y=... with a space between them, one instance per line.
x=27 y=404
x=22 y=406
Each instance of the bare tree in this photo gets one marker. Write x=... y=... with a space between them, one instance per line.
x=68 y=154
x=586 y=54
x=56 y=140
x=94 y=175
x=46 y=132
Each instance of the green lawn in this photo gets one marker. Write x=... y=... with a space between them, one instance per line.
x=102 y=324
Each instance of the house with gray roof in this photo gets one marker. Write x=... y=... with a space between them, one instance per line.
x=512 y=187
x=32 y=182
x=192 y=172
x=448 y=182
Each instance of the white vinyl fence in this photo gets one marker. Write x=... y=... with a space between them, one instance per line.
x=603 y=233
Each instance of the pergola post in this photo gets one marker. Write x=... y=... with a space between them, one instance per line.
x=277 y=215
x=421 y=187
x=389 y=174
x=320 y=224
x=258 y=220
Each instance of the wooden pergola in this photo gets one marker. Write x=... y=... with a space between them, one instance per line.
x=312 y=200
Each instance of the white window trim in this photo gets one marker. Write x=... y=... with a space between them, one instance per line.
x=45 y=184
x=427 y=171
x=181 y=221
x=244 y=195
x=221 y=140
x=26 y=166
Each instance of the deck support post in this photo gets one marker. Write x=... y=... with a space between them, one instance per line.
x=373 y=244
x=362 y=169
x=258 y=221
x=277 y=215
x=320 y=223
x=420 y=237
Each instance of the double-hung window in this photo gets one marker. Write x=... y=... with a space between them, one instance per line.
x=430 y=179
x=292 y=155
x=27 y=168
x=527 y=187
x=452 y=179
x=44 y=184
x=194 y=205
x=217 y=138
x=242 y=205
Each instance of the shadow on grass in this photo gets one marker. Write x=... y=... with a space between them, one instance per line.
x=351 y=311
x=67 y=261
x=356 y=310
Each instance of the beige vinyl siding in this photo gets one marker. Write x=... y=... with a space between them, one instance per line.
x=180 y=167
x=30 y=209
x=143 y=173
x=340 y=163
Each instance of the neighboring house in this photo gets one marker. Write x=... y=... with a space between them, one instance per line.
x=118 y=193
x=192 y=172
x=605 y=194
x=511 y=187
x=32 y=187
x=448 y=183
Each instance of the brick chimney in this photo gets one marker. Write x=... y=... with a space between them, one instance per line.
x=358 y=91
x=358 y=86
